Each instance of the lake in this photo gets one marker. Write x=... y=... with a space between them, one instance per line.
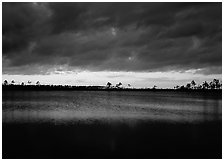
x=111 y=124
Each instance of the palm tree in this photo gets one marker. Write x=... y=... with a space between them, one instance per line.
x=38 y=83
x=5 y=82
x=12 y=82
x=29 y=82
x=193 y=83
x=108 y=84
x=154 y=87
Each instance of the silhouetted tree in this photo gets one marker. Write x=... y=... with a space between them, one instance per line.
x=38 y=83
x=193 y=83
x=182 y=87
x=217 y=83
x=205 y=85
x=118 y=85
x=212 y=85
x=29 y=82
x=12 y=82
x=199 y=86
x=177 y=87
x=22 y=83
x=109 y=84
x=154 y=87
x=5 y=82
x=188 y=86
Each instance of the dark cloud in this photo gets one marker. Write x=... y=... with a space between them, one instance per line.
x=66 y=16
x=22 y=24
x=112 y=36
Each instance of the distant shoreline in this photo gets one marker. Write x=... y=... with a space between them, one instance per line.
x=96 y=88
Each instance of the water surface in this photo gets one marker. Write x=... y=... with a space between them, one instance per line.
x=63 y=106
x=111 y=124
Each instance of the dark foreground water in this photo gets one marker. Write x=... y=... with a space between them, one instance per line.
x=111 y=124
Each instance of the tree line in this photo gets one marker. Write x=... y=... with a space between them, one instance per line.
x=23 y=84
x=214 y=84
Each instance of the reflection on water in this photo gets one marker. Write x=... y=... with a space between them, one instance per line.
x=62 y=106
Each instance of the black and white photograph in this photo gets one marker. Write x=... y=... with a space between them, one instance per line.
x=111 y=80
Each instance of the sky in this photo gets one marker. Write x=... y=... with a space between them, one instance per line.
x=142 y=44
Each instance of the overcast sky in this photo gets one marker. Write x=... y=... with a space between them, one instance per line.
x=144 y=44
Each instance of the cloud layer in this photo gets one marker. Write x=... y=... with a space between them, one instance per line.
x=145 y=37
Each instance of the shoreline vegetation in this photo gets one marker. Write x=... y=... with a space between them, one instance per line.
x=212 y=86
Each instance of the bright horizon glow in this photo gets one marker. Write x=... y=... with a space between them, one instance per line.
x=136 y=79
